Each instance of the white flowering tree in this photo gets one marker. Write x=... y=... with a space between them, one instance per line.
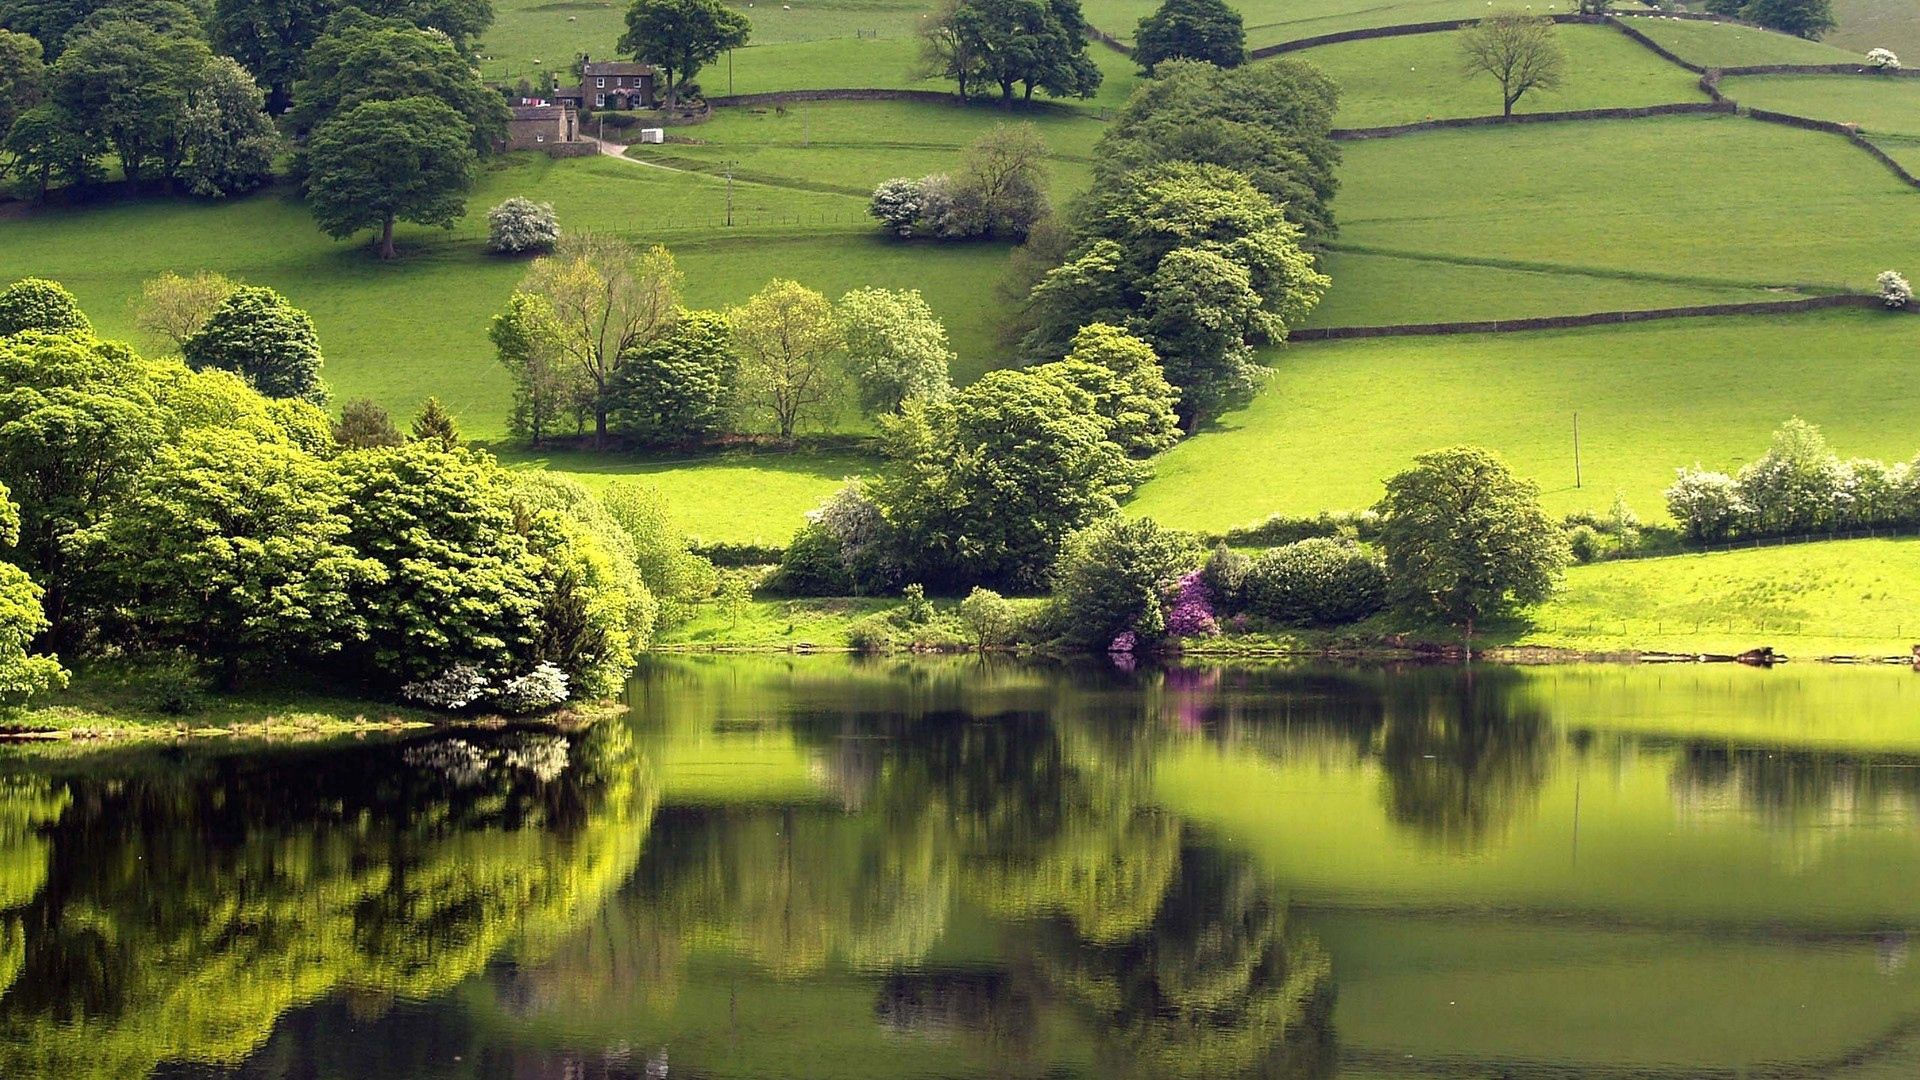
x=1883 y=59
x=1895 y=292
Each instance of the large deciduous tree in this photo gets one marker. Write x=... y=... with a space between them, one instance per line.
x=1206 y=30
x=675 y=388
x=1033 y=44
x=789 y=346
x=1521 y=52
x=896 y=348
x=364 y=59
x=1465 y=539
x=232 y=547
x=1196 y=261
x=603 y=300
x=47 y=146
x=387 y=161
x=227 y=142
x=39 y=304
x=547 y=385
x=255 y=333
x=23 y=76
x=1271 y=121
x=681 y=36
x=128 y=84
x=1121 y=375
x=174 y=307
x=1809 y=19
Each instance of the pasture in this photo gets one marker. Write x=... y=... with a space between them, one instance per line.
x=1401 y=80
x=1270 y=22
x=1878 y=106
x=1787 y=208
x=1337 y=418
x=1716 y=44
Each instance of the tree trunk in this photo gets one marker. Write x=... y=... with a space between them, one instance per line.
x=1006 y=93
x=386 y=237
x=599 y=424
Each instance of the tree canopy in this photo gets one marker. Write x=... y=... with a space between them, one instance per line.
x=255 y=333
x=682 y=36
x=1206 y=30
x=387 y=161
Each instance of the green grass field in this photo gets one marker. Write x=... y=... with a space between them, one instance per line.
x=1853 y=597
x=1787 y=207
x=850 y=146
x=1879 y=106
x=1876 y=24
x=1338 y=418
x=1400 y=80
x=1270 y=22
x=1714 y=44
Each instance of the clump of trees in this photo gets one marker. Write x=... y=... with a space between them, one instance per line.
x=1798 y=486
x=1007 y=44
x=1520 y=52
x=165 y=508
x=1810 y=19
x=1206 y=30
x=998 y=192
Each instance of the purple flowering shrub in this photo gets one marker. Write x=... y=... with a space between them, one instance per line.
x=1190 y=613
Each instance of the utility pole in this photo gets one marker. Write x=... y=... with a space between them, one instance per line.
x=729 y=194
x=729 y=72
x=1576 y=448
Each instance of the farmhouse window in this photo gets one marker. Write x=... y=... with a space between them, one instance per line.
x=602 y=81
x=599 y=101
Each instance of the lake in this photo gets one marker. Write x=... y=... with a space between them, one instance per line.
x=840 y=868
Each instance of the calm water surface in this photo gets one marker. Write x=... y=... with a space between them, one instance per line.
x=819 y=867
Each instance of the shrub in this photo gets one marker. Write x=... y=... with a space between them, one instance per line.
x=1226 y=576
x=1112 y=577
x=1883 y=60
x=1794 y=486
x=364 y=425
x=1316 y=582
x=519 y=225
x=988 y=617
x=813 y=565
x=1190 y=609
x=896 y=203
x=916 y=609
x=1281 y=529
x=39 y=304
x=1894 y=290
x=544 y=687
x=1707 y=504
x=1585 y=542
x=455 y=688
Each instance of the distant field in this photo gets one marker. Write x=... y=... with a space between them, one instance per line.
x=400 y=331
x=1270 y=22
x=1400 y=80
x=1338 y=418
x=852 y=145
x=1379 y=289
x=732 y=498
x=1880 y=106
x=1714 y=44
x=1627 y=197
x=1876 y=24
x=1823 y=599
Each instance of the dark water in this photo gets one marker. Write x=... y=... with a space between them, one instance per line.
x=825 y=868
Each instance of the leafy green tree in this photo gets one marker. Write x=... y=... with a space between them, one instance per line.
x=1318 y=581
x=949 y=50
x=23 y=76
x=545 y=387
x=983 y=488
x=988 y=617
x=682 y=36
x=789 y=348
x=1271 y=121
x=435 y=427
x=1810 y=19
x=1114 y=576
x=364 y=425
x=271 y=38
x=1465 y=539
x=1122 y=375
x=232 y=547
x=602 y=302
x=172 y=18
x=363 y=59
x=1521 y=52
x=460 y=582
x=1205 y=30
x=1194 y=260
x=388 y=161
x=255 y=333
x=128 y=84
x=228 y=144
x=674 y=389
x=676 y=576
x=464 y=22
x=1037 y=44
x=596 y=611
x=1000 y=188
x=23 y=673
x=1795 y=486
x=896 y=347
x=47 y=146
x=174 y=307
x=38 y=304
x=78 y=422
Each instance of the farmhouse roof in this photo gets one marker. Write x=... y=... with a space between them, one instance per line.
x=595 y=68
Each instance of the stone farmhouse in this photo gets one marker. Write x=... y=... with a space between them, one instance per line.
x=553 y=127
x=611 y=84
